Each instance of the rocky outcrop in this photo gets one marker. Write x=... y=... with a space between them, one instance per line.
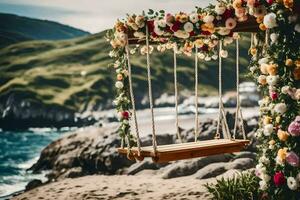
x=20 y=112
x=89 y=151
x=94 y=151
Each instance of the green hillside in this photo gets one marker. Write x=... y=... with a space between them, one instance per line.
x=14 y=28
x=74 y=73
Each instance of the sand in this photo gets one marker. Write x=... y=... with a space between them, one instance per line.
x=144 y=186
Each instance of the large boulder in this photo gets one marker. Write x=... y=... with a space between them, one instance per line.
x=88 y=151
x=188 y=167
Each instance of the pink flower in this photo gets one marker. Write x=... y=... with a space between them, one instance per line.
x=292 y=159
x=294 y=127
x=279 y=179
x=273 y=95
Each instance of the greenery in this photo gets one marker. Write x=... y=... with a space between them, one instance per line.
x=14 y=29
x=242 y=186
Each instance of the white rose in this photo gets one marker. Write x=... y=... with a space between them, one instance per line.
x=224 y=31
x=297 y=28
x=230 y=23
x=194 y=17
x=182 y=34
x=227 y=40
x=263 y=61
x=224 y=53
x=139 y=34
x=208 y=18
x=272 y=80
x=119 y=85
x=207 y=58
x=280 y=108
x=140 y=21
x=161 y=23
x=220 y=9
x=264 y=160
x=188 y=27
x=274 y=37
x=266 y=177
x=214 y=57
x=263 y=185
x=270 y=20
x=201 y=56
x=292 y=183
x=268 y=129
x=285 y=89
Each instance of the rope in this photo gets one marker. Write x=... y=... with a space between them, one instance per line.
x=222 y=115
x=238 y=111
x=132 y=100
x=150 y=93
x=196 y=94
x=176 y=92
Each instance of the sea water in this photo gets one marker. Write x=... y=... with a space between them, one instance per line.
x=18 y=152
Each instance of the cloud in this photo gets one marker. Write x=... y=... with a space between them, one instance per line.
x=93 y=15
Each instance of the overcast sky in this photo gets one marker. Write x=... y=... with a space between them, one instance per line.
x=92 y=15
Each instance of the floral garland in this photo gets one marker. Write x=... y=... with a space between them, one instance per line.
x=275 y=65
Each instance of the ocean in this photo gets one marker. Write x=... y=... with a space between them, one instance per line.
x=18 y=151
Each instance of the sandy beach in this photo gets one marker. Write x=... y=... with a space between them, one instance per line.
x=143 y=186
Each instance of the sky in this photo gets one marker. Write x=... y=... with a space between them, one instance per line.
x=93 y=15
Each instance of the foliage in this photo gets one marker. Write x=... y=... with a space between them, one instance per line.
x=241 y=186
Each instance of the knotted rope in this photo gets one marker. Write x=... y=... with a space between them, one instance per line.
x=238 y=111
x=222 y=116
x=176 y=91
x=196 y=95
x=150 y=92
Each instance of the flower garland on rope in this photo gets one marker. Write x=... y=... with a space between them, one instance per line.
x=275 y=66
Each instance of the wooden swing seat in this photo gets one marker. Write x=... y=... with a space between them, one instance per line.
x=166 y=153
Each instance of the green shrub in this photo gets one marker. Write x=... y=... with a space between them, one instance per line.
x=243 y=186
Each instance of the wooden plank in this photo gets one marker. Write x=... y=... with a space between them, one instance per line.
x=166 y=153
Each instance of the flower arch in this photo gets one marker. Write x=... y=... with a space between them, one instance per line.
x=275 y=66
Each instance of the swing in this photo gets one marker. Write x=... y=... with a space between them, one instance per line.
x=172 y=152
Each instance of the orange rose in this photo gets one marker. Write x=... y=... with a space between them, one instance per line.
x=253 y=51
x=260 y=19
x=297 y=63
x=288 y=3
x=282 y=135
x=208 y=27
x=272 y=69
x=262 y=27
x=281 y=154
x=296 y=73
x=289 y=62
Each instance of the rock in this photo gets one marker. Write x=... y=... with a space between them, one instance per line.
x=33 y=184
x=73 y=173
x=188 y=167
x=241 y=163
x=216 y=169
x=145 y=164
x=88 y=151
x=161 y=139
x=211 y=170
x=244 y=154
